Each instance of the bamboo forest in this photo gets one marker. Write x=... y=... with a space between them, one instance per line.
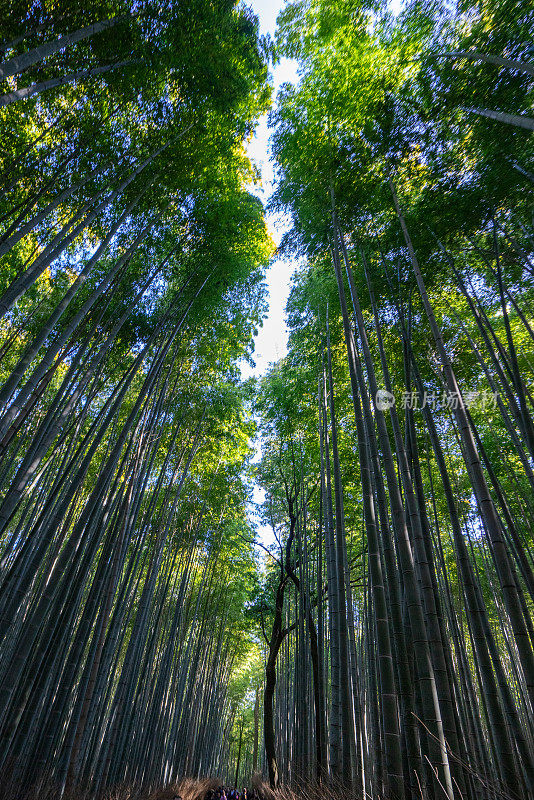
x=310 y=578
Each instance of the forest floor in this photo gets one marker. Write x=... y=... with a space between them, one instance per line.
x=186 y=789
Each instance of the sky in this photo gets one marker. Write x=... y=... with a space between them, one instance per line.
x=271 y=341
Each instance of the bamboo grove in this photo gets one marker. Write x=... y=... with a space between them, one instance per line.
x=398 y=612
x=132 y=284
x=380 y=641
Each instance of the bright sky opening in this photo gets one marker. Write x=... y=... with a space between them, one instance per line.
x=271 y=341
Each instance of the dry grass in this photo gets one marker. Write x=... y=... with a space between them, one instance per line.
x=187 y=789
x=304 y=792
